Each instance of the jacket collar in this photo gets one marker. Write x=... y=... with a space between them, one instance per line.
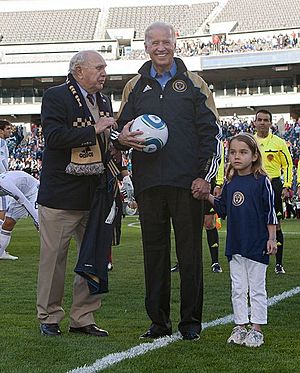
x=145 y=69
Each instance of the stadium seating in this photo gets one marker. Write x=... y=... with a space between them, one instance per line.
x=185 y=19
x=257 y=15
x=48 y=25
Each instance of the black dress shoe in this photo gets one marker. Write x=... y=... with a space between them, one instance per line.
x=51 y=330
x=190 y=336
x=150 y=334
x=90 y=330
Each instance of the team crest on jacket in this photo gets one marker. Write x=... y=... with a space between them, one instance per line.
x=179 y=86
x=238 y=198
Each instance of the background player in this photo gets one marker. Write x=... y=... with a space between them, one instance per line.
x=23 y=188
x=5 y=133
x=298 y=180
x=277 y=161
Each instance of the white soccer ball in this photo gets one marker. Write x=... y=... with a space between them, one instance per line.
x=155 y=131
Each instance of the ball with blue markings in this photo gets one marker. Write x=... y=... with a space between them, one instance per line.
x=155 y=132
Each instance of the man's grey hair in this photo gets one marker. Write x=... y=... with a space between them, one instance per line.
x=79 y=59
x=159 y=25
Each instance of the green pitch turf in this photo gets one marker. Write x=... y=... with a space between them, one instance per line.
x=24 y=350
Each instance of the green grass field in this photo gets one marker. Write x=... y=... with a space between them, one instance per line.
x=24 y=350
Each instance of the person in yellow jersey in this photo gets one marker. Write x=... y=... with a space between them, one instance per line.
x=277 y=162
x=298 y=179
x=298 y=191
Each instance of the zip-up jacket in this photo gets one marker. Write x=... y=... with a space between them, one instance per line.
x=186 y=105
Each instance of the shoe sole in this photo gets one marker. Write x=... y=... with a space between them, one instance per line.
x=234 y=343
x=155 y=337
x=160 y=336
x=89 y=334
x=191 y=339
x=252 y=346
x=50 y=335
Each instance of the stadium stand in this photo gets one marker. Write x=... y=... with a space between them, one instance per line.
x=244 y=69
x=185 y=19
x=48 y=25
x=257 y=15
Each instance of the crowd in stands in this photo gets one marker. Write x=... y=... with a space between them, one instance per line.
x=220 y=45
x=291 y=133
x=25 y=151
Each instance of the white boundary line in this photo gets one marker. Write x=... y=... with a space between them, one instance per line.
x=143 y=348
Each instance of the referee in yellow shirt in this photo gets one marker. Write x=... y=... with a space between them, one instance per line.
x=277 y=162
x=298 y=179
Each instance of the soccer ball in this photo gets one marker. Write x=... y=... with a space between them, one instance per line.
x=155 y=131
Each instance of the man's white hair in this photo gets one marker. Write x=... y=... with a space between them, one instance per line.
x=79 y=59
x=159 y=25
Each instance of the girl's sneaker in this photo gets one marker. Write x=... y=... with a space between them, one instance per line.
x=253 y=339
x=238 y=335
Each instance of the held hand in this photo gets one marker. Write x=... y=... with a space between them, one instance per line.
x=271 y=247
x=131 y=139
x=285 y=192
x=298 y=192
x=105 y=123
x=200 y=188
x=217 y=191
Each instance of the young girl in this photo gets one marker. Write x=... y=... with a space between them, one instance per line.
x=248 y=202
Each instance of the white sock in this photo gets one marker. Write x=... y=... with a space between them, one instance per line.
x=5 y=237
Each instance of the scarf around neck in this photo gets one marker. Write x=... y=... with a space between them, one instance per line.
x=87 y=160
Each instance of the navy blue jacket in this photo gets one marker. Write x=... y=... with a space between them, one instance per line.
x=186 y=105
x=57 y=188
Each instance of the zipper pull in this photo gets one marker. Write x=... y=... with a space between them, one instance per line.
x=161 y=96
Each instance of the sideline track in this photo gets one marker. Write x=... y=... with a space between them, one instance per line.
x=143 y=348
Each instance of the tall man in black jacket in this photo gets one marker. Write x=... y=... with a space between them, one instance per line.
x=76 y=122
x=171 y=183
